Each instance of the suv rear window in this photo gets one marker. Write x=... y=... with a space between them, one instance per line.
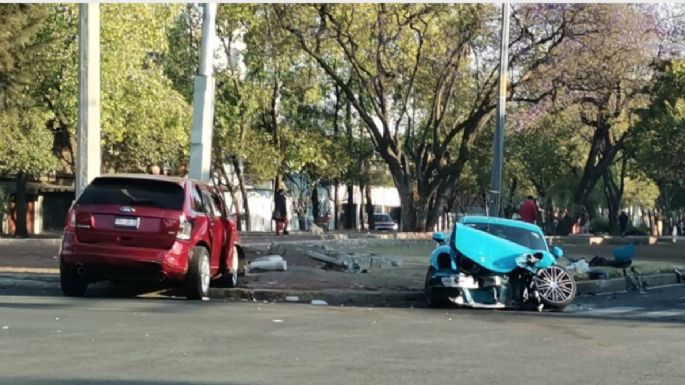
x=133 y=192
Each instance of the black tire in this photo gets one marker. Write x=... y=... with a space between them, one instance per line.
x=556 y=286
x=242 y=262
x=434 y=297
x=73 y=285
x=229 y=277
x=199 y=274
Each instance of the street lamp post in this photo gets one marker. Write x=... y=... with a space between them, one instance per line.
x=498 y=142
x=88 y=131
x=203 y=101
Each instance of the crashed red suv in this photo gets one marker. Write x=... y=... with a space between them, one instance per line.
x=144 y=227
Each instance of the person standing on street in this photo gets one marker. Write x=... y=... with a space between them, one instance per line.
x=623 y=223
x=280 y=214
x=529 y=210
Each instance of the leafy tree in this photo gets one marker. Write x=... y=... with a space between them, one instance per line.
x=18 y=25
x=606 y=73
x=25 y=149
x=426 y=81
x=660 y=140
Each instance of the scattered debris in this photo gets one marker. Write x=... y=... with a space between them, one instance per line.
x=319 y=302
x=278 y=321
x=316 y=230
x=268 y=263
x=292 y=298
x=635 y=280
x=277 y=249
x=579 y=266
x=341 y=263
x=598 y=274
x=5 y=327
x=353 y=262
x=678 y=276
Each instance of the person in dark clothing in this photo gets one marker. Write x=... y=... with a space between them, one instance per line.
x=623 y=222
x=280 y=214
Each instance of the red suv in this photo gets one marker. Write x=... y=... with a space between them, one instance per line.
x=144 y=227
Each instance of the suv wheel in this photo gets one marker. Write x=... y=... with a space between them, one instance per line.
x=73 y=284
x=199 y=274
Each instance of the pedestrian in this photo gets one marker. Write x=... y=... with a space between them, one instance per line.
x=584 y=221
x=280 y=214
x=623 y=223
x=154 y=169
x=658 y=220
x=529 y=210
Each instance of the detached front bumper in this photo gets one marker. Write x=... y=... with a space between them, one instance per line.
x=110 y=261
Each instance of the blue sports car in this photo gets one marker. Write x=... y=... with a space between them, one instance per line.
x=494 y=262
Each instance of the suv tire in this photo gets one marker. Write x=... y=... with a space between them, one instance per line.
x=199 y=274
x=73 y=284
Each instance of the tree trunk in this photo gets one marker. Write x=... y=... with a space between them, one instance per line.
x=21 y=231
x=362 y=225
x=369 y=208
x=243 y=194
x=349 y=211
x=336 y=225
x=613 y=193
x=315 y=203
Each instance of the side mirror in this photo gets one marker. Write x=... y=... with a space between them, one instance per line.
x=439 y=237
x=557 y=252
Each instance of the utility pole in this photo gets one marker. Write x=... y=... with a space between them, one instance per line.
x=203 y=100
x=88 y=130
x=498 y=142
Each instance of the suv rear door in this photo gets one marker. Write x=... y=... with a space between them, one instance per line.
x=217 y=233
x=130 y=212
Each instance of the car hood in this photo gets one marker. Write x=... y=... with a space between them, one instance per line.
x=495 y=253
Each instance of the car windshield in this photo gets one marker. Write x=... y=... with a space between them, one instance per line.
x=133 y=192
x=530 y=239
x=382 y=218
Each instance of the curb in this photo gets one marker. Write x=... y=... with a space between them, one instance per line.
x=339 y=297
x=616 y=285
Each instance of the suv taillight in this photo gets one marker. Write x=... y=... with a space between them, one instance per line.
x=71 y=220
x=184 y=229
x=83 y=219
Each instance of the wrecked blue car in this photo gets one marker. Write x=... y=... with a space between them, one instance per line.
x=490 y=262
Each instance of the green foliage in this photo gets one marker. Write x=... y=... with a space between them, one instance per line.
x=660 y=141
x=144 y=120
x=18 y=24
x=24 y=144
x=599 y=225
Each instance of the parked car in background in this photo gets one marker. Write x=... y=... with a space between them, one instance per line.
x=384 y=222
x=149 y=228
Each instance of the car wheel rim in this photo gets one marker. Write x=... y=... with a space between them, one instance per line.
x=555 y=285
x=204 y=274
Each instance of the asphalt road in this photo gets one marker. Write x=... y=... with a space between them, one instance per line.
x=46 y=339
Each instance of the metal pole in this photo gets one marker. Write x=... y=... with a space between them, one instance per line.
x=203 y=100
x=88 y=130
x=498 y=142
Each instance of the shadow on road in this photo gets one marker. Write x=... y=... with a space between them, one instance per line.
x=90 y=381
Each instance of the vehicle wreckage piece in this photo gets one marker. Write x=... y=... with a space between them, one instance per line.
x=495 y=263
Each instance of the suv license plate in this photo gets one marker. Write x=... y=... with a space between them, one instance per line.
x=131 y=223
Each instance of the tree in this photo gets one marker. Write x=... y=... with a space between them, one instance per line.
x=25 y=149
x=425 y=81
x=18 y=25
x=660 y=138
x=607 y=73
